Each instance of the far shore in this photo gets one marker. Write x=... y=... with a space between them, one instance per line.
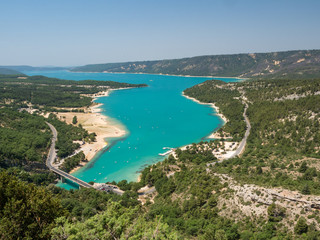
x=163 y=74
x=94 y=121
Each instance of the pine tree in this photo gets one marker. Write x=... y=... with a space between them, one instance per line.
x=75 y=120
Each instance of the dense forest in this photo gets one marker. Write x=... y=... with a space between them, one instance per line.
x=43 y=92
x=285 y=133
x=25 y=139
x=290 y=64
x=31 y=212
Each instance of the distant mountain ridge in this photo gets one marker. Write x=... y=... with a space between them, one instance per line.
x=288 y=64
x=30 y=68
x=7 y=71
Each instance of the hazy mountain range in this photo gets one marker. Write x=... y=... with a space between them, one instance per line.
x=288 y=64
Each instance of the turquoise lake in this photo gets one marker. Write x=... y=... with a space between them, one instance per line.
x=155 y=117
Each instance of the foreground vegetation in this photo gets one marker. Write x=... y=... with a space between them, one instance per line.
x=189 y=204
x=31 y=212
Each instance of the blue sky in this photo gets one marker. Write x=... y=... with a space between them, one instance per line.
x=77 y=32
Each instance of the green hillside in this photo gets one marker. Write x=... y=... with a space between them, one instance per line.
x=293 y=64
x=8 y=71
x=47 y=92
x=284 y=116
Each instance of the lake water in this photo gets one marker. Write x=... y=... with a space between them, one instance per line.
x=155 y=117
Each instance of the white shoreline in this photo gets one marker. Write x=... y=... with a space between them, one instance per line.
x=163 y=74
x=93 y=120
x=225 y=120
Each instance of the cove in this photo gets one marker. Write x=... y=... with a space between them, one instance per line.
x=154 y=117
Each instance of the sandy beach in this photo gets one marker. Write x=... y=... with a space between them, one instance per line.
x=216 y=135
x=94 y=121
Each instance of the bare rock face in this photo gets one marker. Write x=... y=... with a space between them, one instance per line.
x=250 y=200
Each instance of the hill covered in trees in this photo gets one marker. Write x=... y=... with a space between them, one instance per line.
x=32 y=212
x=25 y=140
x=8 y=71
x=290 y=64
x=284 y=143
x=44 y=92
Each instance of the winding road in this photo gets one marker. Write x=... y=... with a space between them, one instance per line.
x=243 y=142
x=52 y=156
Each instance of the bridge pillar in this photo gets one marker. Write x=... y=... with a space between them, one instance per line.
x=62 y=179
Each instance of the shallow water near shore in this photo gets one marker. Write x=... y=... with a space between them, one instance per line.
x=155 y=117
